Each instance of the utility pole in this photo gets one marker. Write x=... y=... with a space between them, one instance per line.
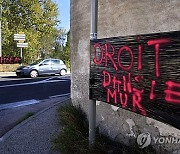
x=92 y=103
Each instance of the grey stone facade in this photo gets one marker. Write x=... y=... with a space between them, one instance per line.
x=119 y=18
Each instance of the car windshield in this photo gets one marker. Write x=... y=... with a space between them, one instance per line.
x=36 y=62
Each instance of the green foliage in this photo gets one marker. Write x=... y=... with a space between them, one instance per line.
x=75 y=130
x=65 y=53
x=73 y=137
x=37 y=19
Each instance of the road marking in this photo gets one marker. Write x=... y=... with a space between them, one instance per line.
x=18 y=104
x=49 y=80
x=59 y=95
x=27 y=102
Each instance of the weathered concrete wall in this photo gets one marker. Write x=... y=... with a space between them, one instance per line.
x=8 y=67
x=119 y=18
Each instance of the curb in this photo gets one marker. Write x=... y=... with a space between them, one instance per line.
x=9 y=133
x=3 y=74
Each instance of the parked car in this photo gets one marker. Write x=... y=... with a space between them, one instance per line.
x=42 y=67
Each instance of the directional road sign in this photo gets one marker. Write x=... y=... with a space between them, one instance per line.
x=19 y=37
x=22 y=45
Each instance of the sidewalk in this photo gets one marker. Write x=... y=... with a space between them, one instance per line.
x=2 y=74
x=34 y=135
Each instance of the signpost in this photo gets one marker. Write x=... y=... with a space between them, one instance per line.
x=21 y=37
x=139 y=73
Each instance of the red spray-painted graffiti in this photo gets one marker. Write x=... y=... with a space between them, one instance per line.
x=120 y=93
x=127 y=85
x=138 y=72
x=157 y=43
x=10 y=60
x=109 y=56
x=170 y=92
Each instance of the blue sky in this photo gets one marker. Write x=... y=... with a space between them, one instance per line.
x=64 y=13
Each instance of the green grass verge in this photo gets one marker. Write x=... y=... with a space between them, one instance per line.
x=73 y=136
x=29 y=114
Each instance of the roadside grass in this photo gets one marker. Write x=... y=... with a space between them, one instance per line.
x=28 y=114
x=73 y=136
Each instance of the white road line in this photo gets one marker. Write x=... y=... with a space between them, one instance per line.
x=18 y=104
x=27 y=102
x=59 y=95
x=49 y=79
x=31 y=83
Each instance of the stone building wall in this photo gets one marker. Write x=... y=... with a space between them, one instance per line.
x=119 y=18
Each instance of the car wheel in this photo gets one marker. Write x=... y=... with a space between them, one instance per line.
x=33 y=74
x=63 y=72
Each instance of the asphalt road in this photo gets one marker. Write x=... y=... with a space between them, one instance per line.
x=19 y=91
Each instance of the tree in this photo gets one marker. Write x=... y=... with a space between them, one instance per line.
x=65 y=56
x=65 y=53
x=37 y=19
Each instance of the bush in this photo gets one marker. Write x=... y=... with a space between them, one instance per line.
x=73 y=136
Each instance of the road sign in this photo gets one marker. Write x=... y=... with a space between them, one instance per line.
x=22 y=45
x=19 y=37
x=21 y=41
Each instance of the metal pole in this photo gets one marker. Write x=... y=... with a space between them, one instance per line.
x=21 y=52
x=92 y=103
x=0 y=30
x=94 y=18
x=21 y=56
